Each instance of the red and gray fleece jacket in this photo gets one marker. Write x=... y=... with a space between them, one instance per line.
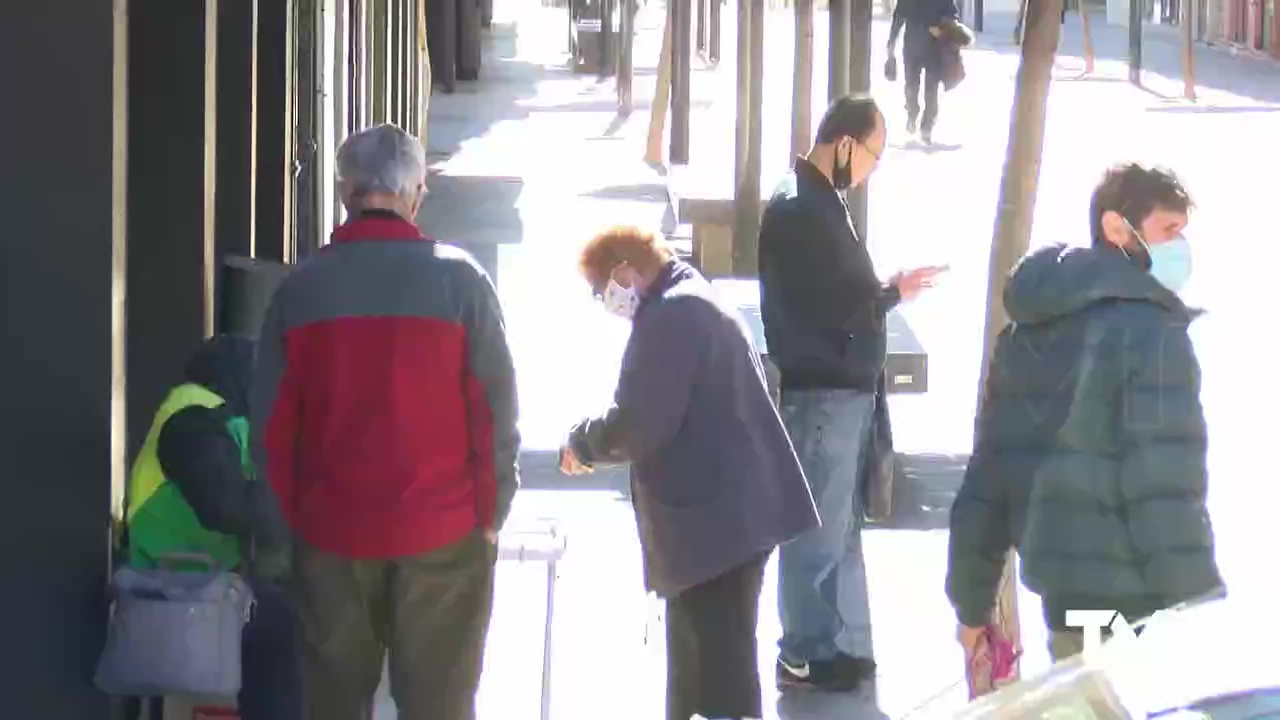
x=384 y=401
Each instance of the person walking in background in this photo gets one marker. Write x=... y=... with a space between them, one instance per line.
x=715 y=482
x=927 y=26
x=193 y=490
x=385 y=418
x=1089 y=454
x=824 y=320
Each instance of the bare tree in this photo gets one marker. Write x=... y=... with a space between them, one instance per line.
x=653 y=154
x=1087 y=36
x=1015 y=213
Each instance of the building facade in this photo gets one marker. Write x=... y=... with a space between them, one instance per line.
x=148 y=141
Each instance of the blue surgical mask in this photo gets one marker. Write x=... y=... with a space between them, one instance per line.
x=1171 y=262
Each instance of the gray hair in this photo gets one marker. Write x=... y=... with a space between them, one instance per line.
x=380 y=160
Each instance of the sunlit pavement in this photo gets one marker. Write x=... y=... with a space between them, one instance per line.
x=544 y=148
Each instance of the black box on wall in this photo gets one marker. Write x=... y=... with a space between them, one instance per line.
x=248 y=285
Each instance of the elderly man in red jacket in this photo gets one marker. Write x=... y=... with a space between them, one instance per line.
x=385 y=413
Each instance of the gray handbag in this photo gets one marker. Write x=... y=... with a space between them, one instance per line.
x=175 y=632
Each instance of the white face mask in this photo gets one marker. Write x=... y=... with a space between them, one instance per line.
x=620 y=301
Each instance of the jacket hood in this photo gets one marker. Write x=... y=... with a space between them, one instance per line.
x=673 y=273
x=224 y=364
x=1060 y=280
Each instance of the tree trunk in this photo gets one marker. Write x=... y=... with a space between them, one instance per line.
x=1020 y=25
x=1188 y=54
x=1015 y=213
x=1087 y=35
x=838 y=39
x=802 y=89
x=661 y=99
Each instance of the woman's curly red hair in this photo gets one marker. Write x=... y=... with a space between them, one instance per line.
x=622 y=244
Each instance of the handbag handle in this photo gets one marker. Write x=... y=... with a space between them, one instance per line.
x=167 y=561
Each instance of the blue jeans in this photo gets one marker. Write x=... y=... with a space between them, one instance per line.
x=822 y=594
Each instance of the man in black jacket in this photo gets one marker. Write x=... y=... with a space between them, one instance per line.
x=921 y=56
x=824 y=319
x=1089 y=454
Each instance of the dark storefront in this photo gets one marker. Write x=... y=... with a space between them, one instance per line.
x=147 y=141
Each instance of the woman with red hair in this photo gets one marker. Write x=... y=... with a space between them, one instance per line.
x=715 y=482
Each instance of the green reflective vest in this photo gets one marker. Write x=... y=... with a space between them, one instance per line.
x=160 y=521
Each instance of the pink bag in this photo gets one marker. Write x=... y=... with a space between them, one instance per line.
x=992 y=663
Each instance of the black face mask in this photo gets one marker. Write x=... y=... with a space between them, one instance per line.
x=842 y=175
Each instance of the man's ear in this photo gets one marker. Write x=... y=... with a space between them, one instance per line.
x=844 y=151
x=1115 y=229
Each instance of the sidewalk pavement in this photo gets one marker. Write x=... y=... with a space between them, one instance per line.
x=533 y=159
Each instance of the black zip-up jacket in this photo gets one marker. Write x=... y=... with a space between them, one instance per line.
x=822 y=304
x=917 y=16
x=203 y=461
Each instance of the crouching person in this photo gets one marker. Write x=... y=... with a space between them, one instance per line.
x=193 y=490
x=715 y=481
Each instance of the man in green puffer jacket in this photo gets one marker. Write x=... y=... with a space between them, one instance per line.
x=1089 y=451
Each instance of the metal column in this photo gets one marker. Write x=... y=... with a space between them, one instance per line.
x=838 y=58
x=1135 y=40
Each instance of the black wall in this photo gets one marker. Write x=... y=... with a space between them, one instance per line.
x=237 y=126
x=55 y=362
x=170 y=243
x=107 y=261
x=275 y=122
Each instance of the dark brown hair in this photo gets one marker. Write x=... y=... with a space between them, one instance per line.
x=1135 y=192
x=853 y=116
x=622 y=244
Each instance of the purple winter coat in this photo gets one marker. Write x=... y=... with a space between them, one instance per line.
x=714 y=478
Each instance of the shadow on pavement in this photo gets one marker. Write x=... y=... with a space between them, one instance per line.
x=922 y=499
x=643 y=192
x=474 y=107
x=1255 y=78
x=539 y=470
x=476 y=214
x=611 y=106
x=828 y=706
x=1215 y=109
x=924 y=491
x=930 y=149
